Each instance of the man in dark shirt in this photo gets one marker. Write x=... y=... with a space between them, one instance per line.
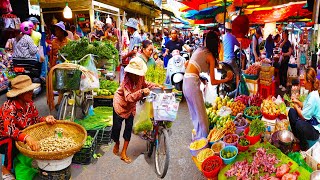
x=173 y=44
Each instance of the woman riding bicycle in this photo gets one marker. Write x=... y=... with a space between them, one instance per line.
x=132 y=89
x=204 y=59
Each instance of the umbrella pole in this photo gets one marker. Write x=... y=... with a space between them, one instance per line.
x=224 y=15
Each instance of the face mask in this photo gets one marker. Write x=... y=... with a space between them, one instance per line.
x=38 y=28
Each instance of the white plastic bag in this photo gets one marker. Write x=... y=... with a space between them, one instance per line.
x=165 y=107
x=89 y=82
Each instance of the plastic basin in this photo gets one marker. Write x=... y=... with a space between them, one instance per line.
x=215 y=171
x=251 y=139
x=252 y=77
x=217 y=153
x=230 y=144
x=229 y=160
x=242 y=148
x=251 y=117
x=268 y=116
x=194 y=152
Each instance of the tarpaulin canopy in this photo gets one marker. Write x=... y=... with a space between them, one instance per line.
x=203 y=4
x=207 y=13
x=277 y=14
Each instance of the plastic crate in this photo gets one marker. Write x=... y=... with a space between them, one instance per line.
x=102 y=102
x=266 y=75
x=85 y=155
x=64 y=174
x=312 y=156
x=64 y=78
x=104 y=135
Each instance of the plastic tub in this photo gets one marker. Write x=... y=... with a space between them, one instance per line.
x=252 y=139
x=217 y=153
x=231 y=144
x=251 y=117
x=215 y=171
x=252 y=77
x=268 y=116
x=194 y=152
x=229 y=160
x=242 y=148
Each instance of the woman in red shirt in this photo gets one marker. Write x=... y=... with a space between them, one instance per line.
x=19 y=112
x=132 y=89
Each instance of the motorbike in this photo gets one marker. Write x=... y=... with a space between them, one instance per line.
x=229 y=88
x=31 y=68
x=175 y=71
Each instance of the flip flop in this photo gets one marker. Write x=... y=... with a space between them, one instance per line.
x=126 y=160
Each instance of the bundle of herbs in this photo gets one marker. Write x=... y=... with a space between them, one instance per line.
x=256 y=127
x=156 y=75
x=104 y=50
x=102 y=118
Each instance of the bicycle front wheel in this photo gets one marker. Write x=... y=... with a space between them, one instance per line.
x=162 y=153
x=67 y=109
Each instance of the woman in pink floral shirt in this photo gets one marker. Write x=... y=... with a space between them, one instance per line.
x=132 y=89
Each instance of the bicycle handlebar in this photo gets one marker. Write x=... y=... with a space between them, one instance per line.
x=78 y=61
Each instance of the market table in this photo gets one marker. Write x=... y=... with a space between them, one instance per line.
x=283 y=159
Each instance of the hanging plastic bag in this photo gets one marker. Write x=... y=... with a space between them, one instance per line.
x=23 y=168
x=243 y=88
x=89 y=81
x=142 y=119
x=165 y=107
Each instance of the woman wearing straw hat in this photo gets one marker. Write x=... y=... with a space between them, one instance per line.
x=132 y=89
x=60 y=41
x=19 y=112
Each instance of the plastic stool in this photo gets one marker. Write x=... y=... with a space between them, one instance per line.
x=277 y=76
x=266 y=91
x=9 y=153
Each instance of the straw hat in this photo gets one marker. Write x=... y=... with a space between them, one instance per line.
x=20 y=85
x=136 y=66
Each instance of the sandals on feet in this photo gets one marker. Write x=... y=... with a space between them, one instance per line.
x=126 y=160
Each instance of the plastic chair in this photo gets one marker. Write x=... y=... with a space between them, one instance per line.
x=9 y=152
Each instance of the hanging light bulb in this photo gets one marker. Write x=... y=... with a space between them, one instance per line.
x=67 y=12
x=108 y=20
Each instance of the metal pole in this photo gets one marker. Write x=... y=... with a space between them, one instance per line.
x=161 y=22
x=41 y=20
x=316 y=6
x=224 y=15
x=91 y=14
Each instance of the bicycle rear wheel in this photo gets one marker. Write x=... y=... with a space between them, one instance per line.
x=162 y=152
x=67 y=108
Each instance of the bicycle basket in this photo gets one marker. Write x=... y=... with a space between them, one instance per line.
x=68 y=79
x=165 y=107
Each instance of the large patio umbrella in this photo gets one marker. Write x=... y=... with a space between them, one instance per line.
x=207 y=13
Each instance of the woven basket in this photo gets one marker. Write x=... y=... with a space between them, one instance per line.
x=266 y=75
x=43 y=130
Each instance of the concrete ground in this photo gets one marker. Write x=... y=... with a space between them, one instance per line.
x=110 y=167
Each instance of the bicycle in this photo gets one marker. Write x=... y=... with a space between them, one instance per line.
x=73 y=97
x=158 y=140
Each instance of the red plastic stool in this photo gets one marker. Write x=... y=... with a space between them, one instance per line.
x=9 y=153
x=266 y=91
x=277 y=76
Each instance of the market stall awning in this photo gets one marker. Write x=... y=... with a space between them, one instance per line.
x=203 y=4
x=277 y=14
x=207 y=13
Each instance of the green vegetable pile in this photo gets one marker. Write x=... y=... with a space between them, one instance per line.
x=243 y=142
x=103 y=117
x=107 y=87
x=288 y=99
x=88 y=142
x=256 y=127
x=144 y=125
x=228 y=154
x=104 y=50
x=156 y=75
